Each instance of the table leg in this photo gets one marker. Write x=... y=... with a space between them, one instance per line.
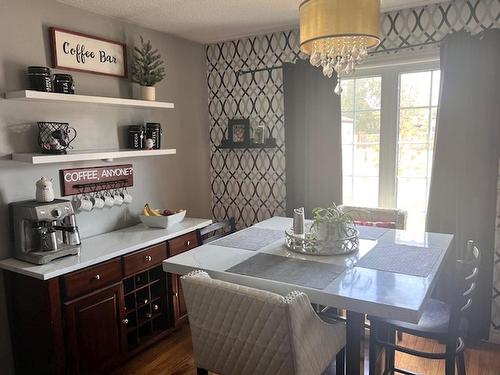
x=354 y=344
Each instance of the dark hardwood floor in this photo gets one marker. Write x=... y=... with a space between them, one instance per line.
x=173 y=356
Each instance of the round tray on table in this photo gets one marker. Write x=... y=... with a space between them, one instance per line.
x=308 y=243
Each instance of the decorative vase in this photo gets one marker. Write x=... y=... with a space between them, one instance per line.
x=330 y=231
x=148 y=93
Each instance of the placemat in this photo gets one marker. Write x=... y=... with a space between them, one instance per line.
x=370 y=233
x=251 y=239
x=408 y=260
x=289 y=270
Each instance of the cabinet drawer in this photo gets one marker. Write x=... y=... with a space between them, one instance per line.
x=144 y=259
x=92 y=278
x=182 y=243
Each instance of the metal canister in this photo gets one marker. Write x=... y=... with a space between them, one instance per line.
x=153 y=132
x=136 y=137
x=298 y=220
x=39 y=78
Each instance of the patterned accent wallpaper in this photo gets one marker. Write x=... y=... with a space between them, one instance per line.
x=249 y=185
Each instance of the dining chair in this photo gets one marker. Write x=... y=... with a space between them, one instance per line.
x=241 y=330
x=440 y=321
x=217 y=230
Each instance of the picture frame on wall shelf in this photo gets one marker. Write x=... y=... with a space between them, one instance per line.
x=239 y=131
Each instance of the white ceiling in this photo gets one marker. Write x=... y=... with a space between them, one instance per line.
x=209 y=21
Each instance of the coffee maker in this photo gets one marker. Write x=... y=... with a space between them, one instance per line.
x=44 y=231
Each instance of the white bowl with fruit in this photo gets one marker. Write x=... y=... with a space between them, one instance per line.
x=155 y=218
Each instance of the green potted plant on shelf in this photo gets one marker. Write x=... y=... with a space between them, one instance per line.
x=147 y=69
x=331 y=223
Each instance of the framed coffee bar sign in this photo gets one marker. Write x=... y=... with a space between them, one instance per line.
x=87 y=180
x=86 y=53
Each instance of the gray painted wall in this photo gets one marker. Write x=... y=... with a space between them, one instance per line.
x=173 y=181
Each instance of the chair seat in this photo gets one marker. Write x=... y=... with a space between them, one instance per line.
x=433 y=323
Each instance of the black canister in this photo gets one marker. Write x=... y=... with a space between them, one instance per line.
x=63 y=83
x=136 y=137
x=153 y=132
x=39 y=78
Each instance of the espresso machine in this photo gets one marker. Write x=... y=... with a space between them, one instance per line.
x=44 y=231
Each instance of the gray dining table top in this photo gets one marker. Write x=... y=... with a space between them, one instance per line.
x=364 y=290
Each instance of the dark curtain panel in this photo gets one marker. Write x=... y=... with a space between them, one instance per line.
x=312 y=138
x=463 y=188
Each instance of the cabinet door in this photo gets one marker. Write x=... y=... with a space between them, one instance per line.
x=95 y=330
x=180 y=311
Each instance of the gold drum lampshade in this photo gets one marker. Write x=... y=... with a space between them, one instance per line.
x=337 y=34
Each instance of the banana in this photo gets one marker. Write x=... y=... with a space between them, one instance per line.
x=145 y=211
x=151 y=211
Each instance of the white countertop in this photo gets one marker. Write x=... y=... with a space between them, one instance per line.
x=103 y=247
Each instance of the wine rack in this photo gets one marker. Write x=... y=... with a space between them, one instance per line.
x=147 y=312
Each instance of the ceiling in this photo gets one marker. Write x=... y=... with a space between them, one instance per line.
x=209 y=21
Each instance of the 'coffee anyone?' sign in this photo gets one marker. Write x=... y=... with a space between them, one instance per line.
x=80 y=52
x=76 y=180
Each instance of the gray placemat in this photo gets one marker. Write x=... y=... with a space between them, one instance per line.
x=408 y=260
x=289 y=270
x=251 y=239
x=370 y=233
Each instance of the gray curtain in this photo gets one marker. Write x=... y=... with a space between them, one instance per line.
x=312 y=138
x=463 y=188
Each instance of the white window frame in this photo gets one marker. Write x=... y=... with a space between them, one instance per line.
x=390 y=72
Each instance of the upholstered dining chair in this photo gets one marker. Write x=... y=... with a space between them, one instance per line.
x=440 y=321
x=390 y=217
x=237 y=330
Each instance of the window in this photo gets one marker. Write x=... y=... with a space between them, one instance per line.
x=388 y=126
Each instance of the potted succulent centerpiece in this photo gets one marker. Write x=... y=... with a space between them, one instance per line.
x=331 y=223
x=147 y=69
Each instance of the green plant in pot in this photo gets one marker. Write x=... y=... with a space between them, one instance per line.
x=331 y=223
x=147 y=69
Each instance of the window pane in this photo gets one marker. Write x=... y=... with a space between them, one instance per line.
x=436 y=85
x=433 y=126
x=347 y=127
x=347 y=190
x=367 y=127
x=347 y=160
x=365 y=191
x=415 y=89
x=414 y=125
x=366 y=159
x=412 y=193
x=367 y=93
x=412 y=160
x=347 y=96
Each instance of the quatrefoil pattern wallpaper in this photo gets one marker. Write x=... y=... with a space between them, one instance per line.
x=249 y=184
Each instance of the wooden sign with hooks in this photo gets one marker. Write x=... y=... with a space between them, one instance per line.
x=88 y=180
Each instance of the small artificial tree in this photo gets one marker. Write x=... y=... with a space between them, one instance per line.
x=147 y=69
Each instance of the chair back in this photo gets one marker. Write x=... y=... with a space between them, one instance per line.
x=217 y=230
x=377 y=215
x=240 y=330
x=466 y=281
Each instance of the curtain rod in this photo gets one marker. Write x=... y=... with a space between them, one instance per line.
x=252 y=71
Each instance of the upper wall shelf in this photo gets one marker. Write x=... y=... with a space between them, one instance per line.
x=107 y=155
x=30 y=95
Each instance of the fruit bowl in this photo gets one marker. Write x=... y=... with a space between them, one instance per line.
x=162 y=221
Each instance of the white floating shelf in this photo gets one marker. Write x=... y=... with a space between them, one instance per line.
x=73 y=156
x=30 y=95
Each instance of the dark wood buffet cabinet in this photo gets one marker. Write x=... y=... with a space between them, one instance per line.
x=91 y=320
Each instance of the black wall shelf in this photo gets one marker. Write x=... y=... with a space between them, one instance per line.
x=226 y=144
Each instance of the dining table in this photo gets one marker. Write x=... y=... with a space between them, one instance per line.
x=391 y=274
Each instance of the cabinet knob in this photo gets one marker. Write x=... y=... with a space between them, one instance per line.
x=97 y=277
x=125 y=321
x=176 y=294
x=156 y=307
x=148 y=258
x=188 y=242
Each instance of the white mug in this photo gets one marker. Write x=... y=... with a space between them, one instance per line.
x=98 y=202
x=127 y=198
x=117 y=199
x=85 y=204
x=109 y=201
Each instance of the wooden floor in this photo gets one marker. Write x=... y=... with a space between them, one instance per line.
x=173 y=356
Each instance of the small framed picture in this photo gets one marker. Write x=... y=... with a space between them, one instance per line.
x=239 y=131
